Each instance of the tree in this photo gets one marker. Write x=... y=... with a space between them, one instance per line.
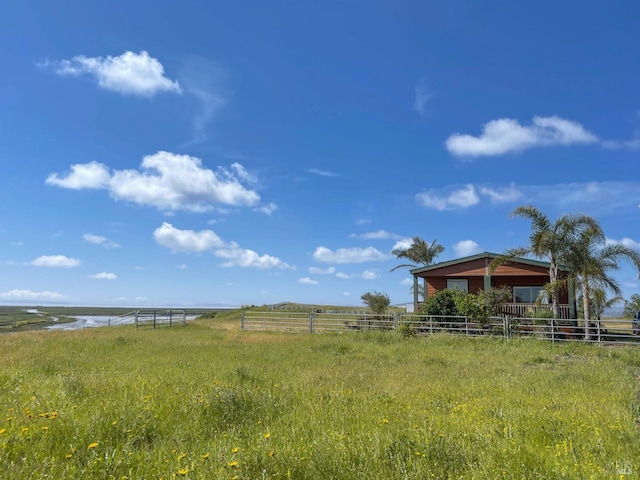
x=632 y=306
x=549 y=241
x=376 y=301
x=590 y=259
x=598 y=302
x=419 y=252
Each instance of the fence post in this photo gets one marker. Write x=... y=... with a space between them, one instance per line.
x=553 y=331
x=466 y=326
x=507 y=327
x=242 y=320
x=154 y=319
x=170 y=313
x=395 y=321
x=137 y=318
x=311 y=322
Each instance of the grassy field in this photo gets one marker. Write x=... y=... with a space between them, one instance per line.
x=209 y=401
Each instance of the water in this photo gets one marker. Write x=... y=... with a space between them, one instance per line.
x=87 y=321
x=92 y=321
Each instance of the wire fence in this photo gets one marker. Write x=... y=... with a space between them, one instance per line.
x=608 y=331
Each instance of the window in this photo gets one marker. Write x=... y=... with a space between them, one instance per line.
x=529 y=295
x=458 y=283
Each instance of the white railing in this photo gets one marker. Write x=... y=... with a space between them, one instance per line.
x=609 y=331
x=530 y=309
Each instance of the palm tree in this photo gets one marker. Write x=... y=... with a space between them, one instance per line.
x=590 y=260
x=549 y=241
x=420 y=253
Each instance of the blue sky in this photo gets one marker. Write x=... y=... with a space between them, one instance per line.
x=250 y=152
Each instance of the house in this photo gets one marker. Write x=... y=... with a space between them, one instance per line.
x=525 y=277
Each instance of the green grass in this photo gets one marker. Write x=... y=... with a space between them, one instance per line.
x=209 y=401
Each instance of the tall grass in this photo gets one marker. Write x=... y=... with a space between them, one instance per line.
x=209 y=401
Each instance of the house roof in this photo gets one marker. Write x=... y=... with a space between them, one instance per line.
x=490 y=255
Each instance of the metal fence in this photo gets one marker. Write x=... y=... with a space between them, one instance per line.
x=156 y=318
x=610 y=331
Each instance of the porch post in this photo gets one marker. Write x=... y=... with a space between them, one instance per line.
x=415 y=294
x=572 y=302
x=487 y=283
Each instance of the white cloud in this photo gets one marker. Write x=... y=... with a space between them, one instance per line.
x=598 y=196
x=17 y=244
x=369 y=275
x=104 y=276
x=406 y=282
x=188 y=241
x=422 y=96
x=45 y=295
x=55 y=261
x=461 y=198
x=366 y=275
x=99 y=240
x=308 y=281
x=267 y=209
x=182 y=266
x=627 y=242
x=323 y=173
x=204 y=80
x=502 y=195
x=506 y=135
x=130 y=73
x=166 y=181
x=348 y=255
x=464 y=248
x=346 y=294
x=631 y=144
x=82 y=176
x=403 y=244
x=322 y=271
x=378 y=235
x=362 y=221
x=240 y=257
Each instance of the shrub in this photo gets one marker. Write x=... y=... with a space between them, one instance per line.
x=442 y=303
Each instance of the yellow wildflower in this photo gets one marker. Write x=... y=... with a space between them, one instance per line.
x=267 y=435
x=93 y=445
x=205 y=456
x=183 y=471
x=235 y=450
x=232 y=464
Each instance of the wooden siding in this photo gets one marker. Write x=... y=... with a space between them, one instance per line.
x=465 y=269
x=434 y=285
x=479 y=268
x=514 y=269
